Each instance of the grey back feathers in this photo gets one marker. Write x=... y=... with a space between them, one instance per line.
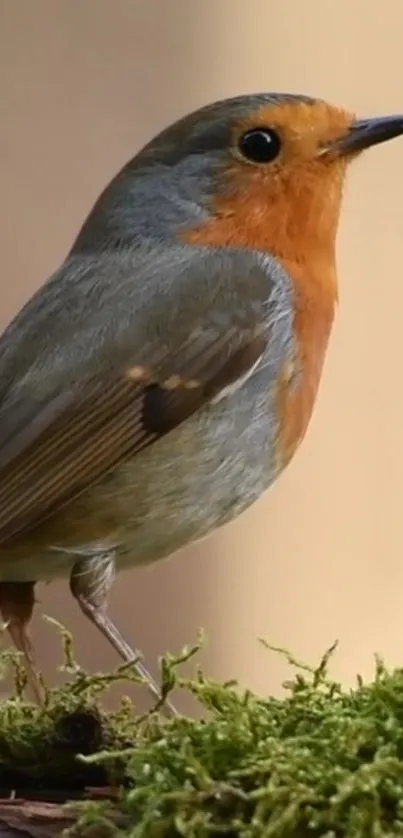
x=98 y=314
x=97 y=388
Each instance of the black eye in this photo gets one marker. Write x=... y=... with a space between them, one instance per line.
x=260 y=145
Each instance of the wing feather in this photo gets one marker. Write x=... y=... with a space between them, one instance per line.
x=81 y=430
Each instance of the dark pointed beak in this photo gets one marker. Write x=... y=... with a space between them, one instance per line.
x=365 y=133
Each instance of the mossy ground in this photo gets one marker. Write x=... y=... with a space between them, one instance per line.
x=322 y=761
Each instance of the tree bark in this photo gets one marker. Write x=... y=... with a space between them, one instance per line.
x=38 y=819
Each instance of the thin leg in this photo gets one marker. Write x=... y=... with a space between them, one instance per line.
x=17 y=602
x=90 y=582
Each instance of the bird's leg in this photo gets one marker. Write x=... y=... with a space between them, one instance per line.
x=91 y=580
x=17 y=602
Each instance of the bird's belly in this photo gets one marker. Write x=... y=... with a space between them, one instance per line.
x=178 y=490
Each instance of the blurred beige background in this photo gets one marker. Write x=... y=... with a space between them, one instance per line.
x=83 y=83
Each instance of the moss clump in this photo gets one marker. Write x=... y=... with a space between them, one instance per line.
x=39 y=746
x=322 y=761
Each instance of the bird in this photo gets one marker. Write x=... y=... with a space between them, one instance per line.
x=164 y=376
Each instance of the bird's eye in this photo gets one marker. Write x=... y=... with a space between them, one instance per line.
x=260 y=145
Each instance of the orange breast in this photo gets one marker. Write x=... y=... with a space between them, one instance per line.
x=313 y=318
x=313 y=273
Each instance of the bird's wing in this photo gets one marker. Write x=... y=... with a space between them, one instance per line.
x=105 y=359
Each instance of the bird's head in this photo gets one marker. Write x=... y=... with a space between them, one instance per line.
x=267 y=168
x=264 y=171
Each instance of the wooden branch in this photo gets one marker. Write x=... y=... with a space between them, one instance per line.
x=19 y=818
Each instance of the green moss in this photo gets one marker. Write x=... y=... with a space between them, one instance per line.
x=39 y=745
x=322 y=761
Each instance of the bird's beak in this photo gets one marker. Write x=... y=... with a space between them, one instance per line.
x=364 y=133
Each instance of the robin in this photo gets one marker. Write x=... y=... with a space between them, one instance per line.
x=158 y=383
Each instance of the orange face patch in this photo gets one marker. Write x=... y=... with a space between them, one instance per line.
x=304 y=128
x=289 y=207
